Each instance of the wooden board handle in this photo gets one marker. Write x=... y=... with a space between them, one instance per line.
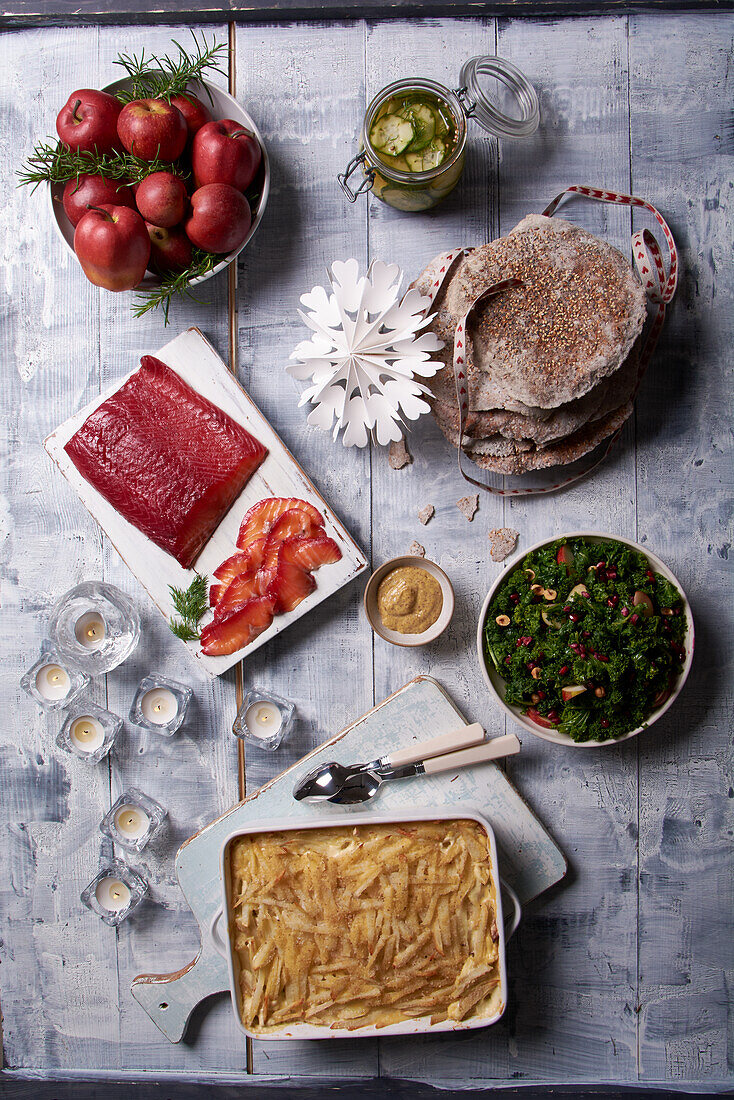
x=490 y=750
x=461 y=738
x=169 y=999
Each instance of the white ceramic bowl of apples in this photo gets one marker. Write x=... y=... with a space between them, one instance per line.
x=219 y=105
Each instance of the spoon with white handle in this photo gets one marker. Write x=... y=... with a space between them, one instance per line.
x=360 y=782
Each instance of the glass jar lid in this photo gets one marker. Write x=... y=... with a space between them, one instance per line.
x=482 y=106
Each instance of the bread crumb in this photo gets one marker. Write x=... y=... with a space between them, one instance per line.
x=427 y=513
x=416 y=550
x=504 y=541
x=399 y=455
x=468 y=506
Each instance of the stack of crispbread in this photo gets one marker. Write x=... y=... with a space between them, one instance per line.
x=552 y=365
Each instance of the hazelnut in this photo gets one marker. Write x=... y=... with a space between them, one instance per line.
x=537 y=589
x=667 y=611
x=530 y=573
x=536 y=673
x=503 y=620
x=535 y=698
x=550 y=593
x=599 y=692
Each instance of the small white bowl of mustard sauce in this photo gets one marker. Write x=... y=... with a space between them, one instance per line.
x=409 y=601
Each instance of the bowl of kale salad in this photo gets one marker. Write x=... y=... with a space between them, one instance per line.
x=586 y=639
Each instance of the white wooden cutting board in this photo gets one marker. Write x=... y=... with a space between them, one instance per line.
x=528 y=857
x=193 y=358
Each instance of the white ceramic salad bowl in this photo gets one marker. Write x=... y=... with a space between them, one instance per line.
x=220 y=930
x=221 y=105
x=496 y=684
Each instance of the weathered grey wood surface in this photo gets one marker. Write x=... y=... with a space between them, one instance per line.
x=624 y=974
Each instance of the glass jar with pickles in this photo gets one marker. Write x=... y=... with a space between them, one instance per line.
x=415 y=131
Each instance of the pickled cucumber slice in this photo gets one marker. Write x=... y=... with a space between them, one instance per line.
x=392 y=134
x=424 y=122
x=428 y=158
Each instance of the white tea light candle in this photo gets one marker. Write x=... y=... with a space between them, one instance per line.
x=263 y=719
x=53 y=682
x=112 y=894
x=131 y=822
x=90 y=630
x=86 y=733
x=159 y=706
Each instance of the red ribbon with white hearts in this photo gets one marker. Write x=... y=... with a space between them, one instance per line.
x=659 y=288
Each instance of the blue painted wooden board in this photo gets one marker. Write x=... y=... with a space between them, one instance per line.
x=529 y=858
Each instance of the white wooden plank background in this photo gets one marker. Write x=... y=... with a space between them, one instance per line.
x=624 y=975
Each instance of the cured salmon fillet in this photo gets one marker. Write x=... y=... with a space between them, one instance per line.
x=167 y=459
x=244 y=561
x=311 y=552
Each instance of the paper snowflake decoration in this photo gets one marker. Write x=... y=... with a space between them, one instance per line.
x=365 y=353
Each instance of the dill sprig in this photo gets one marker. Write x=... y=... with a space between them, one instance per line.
x=154 y=77
x=191 y=605
x=173 y=283
x=56 y=163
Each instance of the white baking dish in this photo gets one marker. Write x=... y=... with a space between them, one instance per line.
x=222 y=937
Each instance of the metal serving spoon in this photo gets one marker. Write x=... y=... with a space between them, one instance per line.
x=347 y=785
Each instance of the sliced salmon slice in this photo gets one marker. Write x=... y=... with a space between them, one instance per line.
x=288 y=585
x=237 y=630
x=237 y=593
x=260 y=518
x=244 y=561
x=310 y=551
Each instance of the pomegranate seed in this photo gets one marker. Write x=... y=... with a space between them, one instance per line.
x=552 y=715
x=604 y=724
x=625 y=612
x=514 y=597
x=582 y=654
x=540 y=694
x=567 y=609
x=574 y=617
x=508 y=660
x=612 y=575
x=563 y=671
x=526 y=641
x=635 y=618
x=650 y=575
x=601 y=657
x=586 y=634
x=586 y=595
x=601 y=565
x=530 y=666
x=610 y=603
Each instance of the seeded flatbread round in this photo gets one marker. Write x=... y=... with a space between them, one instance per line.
x=573 y=321
x=560 y=453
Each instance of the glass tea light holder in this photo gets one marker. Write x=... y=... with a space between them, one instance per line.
x=89 y=732
x=133 y=820
x=52 y=682
x=115 y=892
x=160 y=705
x=95 y=627
x=264 y=719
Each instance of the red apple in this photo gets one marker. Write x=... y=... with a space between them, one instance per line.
x=162 y=199
x=91 y=190
x=88 y=121
x=225 y=152
x=170 y=249
x=150 y=128
x=113 y=246
x=220 y=218
x=539 y=720
x=195 y=113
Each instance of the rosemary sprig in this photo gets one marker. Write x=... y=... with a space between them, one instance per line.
x=191 y=605
x=154 y=77
x=56 y=163
x=174 y=283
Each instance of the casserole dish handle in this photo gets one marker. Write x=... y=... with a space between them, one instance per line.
x=219 y=943
x=512 y=922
